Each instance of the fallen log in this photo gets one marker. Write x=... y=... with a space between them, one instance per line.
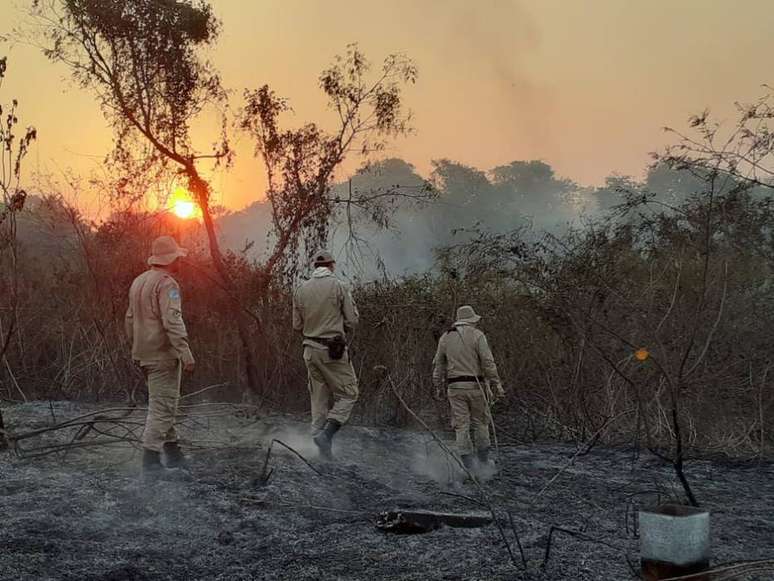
x=404 y=521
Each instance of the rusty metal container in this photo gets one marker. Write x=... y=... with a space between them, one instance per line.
x=674 y=541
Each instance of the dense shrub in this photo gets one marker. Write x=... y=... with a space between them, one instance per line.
x=564 y=316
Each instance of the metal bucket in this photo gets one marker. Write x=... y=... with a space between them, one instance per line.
x=674 y=541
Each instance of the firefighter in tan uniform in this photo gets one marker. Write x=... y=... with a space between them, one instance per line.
x=155 y=327
x=323 y=309
x=464 y=363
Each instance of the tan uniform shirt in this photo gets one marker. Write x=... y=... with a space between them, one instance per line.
x=323 y=307
x=464 y=351
x=154 y=320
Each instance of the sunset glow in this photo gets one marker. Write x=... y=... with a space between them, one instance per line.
x=183 y=209
x=552 y=74
x=182 y=206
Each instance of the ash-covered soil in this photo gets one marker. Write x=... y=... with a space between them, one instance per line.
x=87 y=516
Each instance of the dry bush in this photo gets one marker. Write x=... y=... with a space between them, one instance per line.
x=563 y=316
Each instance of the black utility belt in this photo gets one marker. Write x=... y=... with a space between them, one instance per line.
x=336 y=345
x=465 y=378
x=325 y=340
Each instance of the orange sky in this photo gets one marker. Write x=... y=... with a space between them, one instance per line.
x=583 y=85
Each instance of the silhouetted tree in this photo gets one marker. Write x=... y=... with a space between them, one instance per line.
x=743 y=150
x=301 y=163
x=141 y=58
x=399 y=238
x=531 y=189
x=13 y=149
x=614 y=191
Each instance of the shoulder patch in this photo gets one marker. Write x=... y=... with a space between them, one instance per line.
x=174 y=294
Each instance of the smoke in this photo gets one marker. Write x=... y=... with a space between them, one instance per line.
x=432 y=461
x=469 y=198
x=496 y=42
x=360 y=448
x=297 y=437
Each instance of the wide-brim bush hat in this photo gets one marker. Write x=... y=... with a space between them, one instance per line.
x=466 y=314
x=322 y=258
x=165 y=250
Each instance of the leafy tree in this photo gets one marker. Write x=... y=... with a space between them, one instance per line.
x=670 y=186
x=397 y=238
x=531 y=189
x=462 y=192
x=301 y=163
x=507 y=197
x=142 y=60
x=614 y=191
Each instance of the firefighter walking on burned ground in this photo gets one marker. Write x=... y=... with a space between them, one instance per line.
x=159 y=339
x=324 y=311
x=464 y=364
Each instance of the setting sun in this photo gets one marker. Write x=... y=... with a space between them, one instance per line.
x=184 y=209
x=181 y=204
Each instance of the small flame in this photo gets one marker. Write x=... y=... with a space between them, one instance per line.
x=641 y=354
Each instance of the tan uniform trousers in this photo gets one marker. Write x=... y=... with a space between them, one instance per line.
x=469 y=409
x=330 y=379
x=163 y=379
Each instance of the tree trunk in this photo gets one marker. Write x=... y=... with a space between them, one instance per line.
x=201 y=191
x=679 y=458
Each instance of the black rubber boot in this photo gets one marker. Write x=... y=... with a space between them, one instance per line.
x=173 y=456
x=486 y=470
x=324 y=439
x=483 y=456
x=153 y=470
x=467 y=461
x=151 y=464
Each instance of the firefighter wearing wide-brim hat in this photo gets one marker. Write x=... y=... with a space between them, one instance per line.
x=464 y=362
x=323 y=309
x=157 y=332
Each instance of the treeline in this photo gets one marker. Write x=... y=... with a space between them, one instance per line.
x=518 y=194
x=602 y=331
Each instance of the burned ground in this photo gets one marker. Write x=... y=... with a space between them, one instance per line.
x=86 y=516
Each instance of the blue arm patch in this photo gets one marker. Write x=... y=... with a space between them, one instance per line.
x=174 y=294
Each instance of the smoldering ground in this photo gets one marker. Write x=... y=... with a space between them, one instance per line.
x=86 y=516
